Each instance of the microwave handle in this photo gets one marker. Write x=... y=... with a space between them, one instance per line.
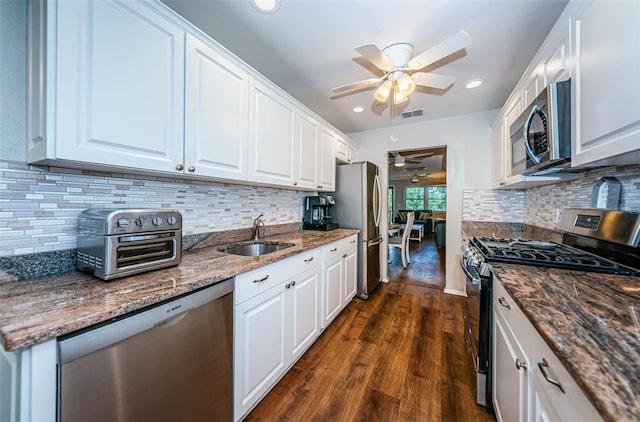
x=525 y=133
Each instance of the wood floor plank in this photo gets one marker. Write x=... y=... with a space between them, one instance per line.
x=398 y=356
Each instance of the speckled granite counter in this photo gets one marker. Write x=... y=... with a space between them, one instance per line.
x=34 y=311
x=589 y=320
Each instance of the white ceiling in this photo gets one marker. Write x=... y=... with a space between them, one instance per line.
x=307 y=48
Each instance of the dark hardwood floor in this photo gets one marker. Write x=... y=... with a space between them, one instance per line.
x=399 y=356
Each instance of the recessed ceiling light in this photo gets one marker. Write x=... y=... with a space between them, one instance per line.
x=266 y=6
x=474 y=83
x=358 y=109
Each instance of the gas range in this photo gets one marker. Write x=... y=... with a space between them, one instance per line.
x=546 y=254
x=594 y=240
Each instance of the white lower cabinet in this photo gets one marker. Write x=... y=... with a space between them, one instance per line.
x=339 y=265
x=529 y=381
x=276 y=319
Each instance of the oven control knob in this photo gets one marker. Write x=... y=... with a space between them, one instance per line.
x=122 y=222
x=171 y=220
x=156 y=221
x=141 y=221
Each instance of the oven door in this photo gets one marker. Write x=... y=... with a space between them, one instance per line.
x=477 y=319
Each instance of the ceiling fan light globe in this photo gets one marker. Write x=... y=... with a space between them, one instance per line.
x=414 y=179
x=383 y=91
x=399 y=97
x=406 y=85
x=399 y=161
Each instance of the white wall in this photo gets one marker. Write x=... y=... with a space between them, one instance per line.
x=469 y=161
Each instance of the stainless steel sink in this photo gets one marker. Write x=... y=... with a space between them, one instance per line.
x=254 y=248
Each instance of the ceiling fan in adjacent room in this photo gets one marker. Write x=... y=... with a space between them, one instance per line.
x=400 y=160
x=402 y=71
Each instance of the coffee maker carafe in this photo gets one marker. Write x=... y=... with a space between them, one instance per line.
x=316 y=213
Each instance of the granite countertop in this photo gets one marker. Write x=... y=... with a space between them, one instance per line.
x=589 y=320
x=34 y=311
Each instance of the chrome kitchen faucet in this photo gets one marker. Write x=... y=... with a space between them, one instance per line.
x=257 y=223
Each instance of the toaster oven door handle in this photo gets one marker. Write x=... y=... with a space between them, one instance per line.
x=144 y=237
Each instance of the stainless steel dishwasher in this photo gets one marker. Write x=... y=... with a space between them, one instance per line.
x=170 y=362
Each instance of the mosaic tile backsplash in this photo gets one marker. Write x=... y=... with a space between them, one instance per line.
x=39 y=206
x=542 y=206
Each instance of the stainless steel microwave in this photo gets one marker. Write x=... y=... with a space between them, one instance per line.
x=541 y=136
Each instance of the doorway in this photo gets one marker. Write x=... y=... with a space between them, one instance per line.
x=418 y=182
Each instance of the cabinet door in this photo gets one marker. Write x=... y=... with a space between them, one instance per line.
x=119 y=85
x=303 y=317
x=542 y=408
x=499 y=155
x=556 y=58
x=216 y=119
x=350 y=260
x=307 y=153
x=271 y=136
x=260 y=349
x=327 y=165
x=332 y=283
x=509 y=382
x=606 y=87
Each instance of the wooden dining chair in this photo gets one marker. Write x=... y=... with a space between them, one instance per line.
x=402 y=242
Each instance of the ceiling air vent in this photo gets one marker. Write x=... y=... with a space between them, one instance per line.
x=409 y=114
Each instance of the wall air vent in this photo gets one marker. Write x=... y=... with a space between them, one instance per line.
x=413 y=113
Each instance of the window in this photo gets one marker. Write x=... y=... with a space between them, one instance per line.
x=414 y=198
x=437 y=198
x=432 y=198
x=390 y=204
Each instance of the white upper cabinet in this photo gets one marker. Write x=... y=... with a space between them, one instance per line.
x=327 y=162
x=107 y=85
x=271 y=136
x=131 y=85
x=307 y=147
x=345 y=151
x=606 y=87
x=216 y=118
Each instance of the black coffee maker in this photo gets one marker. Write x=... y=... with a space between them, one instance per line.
x=316 y=213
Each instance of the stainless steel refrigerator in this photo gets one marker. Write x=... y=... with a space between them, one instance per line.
x=359 y=206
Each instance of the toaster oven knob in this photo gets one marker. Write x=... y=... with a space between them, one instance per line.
x=122 y=222
x=156 y=221
x=141 y=221
x=171 y=220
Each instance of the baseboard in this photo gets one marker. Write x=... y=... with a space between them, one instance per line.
x=455 y=292
x=384 y=280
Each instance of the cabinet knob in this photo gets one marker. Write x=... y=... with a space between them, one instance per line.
x=319 y=186
x=295 y=183
x=191 y=169
x=180 y=167
x=290 y=285
x=344 y=256
x=334 y=249
x=520 y=365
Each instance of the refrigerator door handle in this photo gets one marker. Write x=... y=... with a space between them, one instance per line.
x=377 y=203
x=375 y=242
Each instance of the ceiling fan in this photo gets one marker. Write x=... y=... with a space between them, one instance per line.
x=400 y=160
x=416 y=176
x=401 y=71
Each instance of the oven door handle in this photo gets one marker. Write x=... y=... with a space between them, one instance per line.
x=136 y=238
x=475 y=279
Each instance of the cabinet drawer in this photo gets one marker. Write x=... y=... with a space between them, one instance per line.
x=252 y=283
x=337 y=249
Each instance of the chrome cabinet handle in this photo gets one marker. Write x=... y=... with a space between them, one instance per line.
x=345 y=255
x=543 y=368
x=308 y=259
x=334 y=249
x=504 y=303
x=180 y=167
x=520 y=365
x=191 y=169
x=290 y=285
x=262 y=279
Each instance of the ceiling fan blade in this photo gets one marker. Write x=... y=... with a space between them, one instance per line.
x=358 y=84
x=434 y=80
x=419 y=155
x=372 y=53
x=456 y=42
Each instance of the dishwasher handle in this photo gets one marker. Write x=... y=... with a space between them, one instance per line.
x=82 y=344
